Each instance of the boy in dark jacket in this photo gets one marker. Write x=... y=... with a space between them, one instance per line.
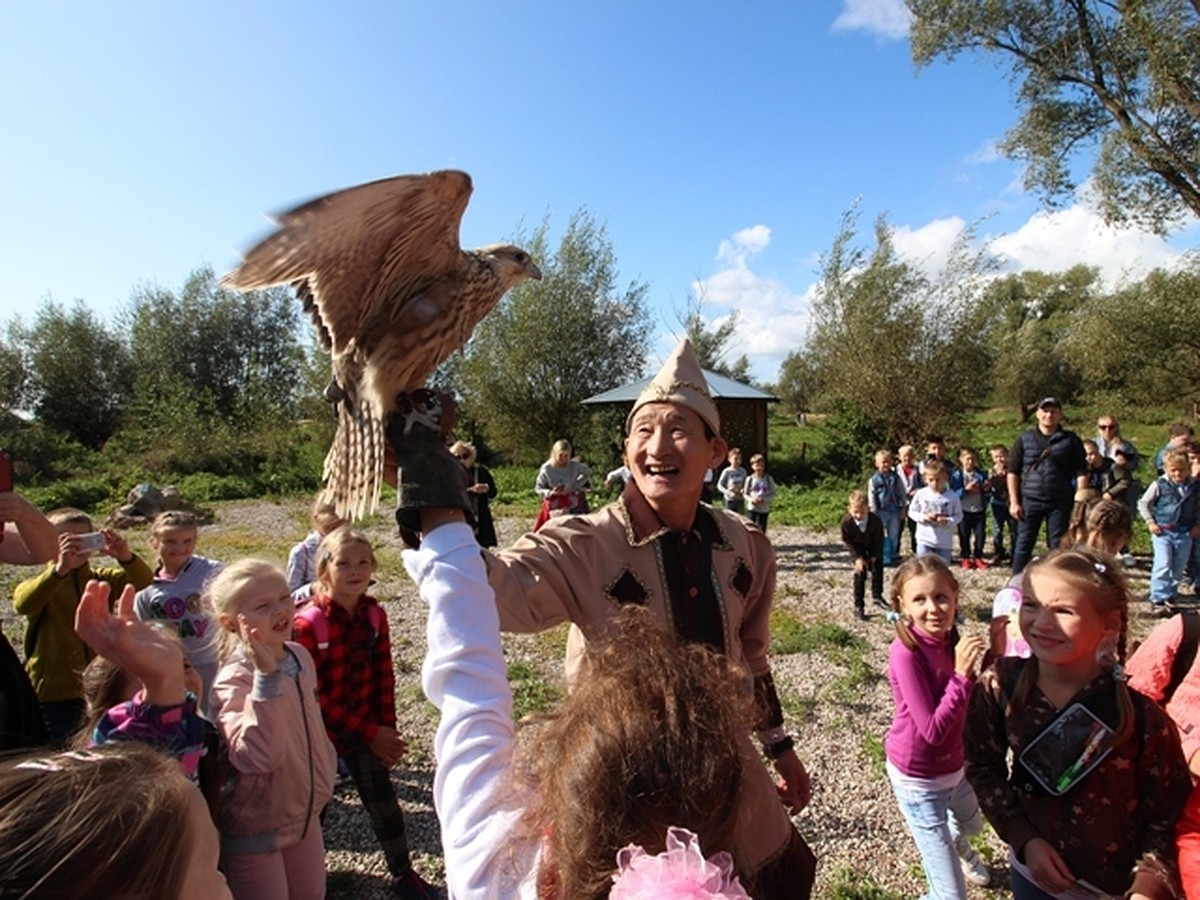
x=862 y=533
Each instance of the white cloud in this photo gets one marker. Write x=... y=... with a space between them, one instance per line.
x=883 y=18
x=744 y=244
x=1055 y=241
x=987 y=153
x=929 y=245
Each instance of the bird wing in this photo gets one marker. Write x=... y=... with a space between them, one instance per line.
x=357 y=250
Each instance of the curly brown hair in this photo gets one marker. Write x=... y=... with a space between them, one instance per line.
x=651 y=736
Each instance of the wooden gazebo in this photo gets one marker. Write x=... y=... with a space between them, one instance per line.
x=743 y=408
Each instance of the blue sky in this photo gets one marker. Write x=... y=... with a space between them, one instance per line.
x=720 y=143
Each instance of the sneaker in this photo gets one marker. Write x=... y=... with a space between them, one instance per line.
x=860 y=614
x=881 y=603
x=974 y=869
x=411 y=886
x=965 y=564
x=980 y=562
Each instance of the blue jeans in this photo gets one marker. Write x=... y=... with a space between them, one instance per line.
x=1056 y=516
x=1024 y=889
x=1001 y=520
x=926 y=549
x=1171 y=552
x=891 y=536
x=940 y=823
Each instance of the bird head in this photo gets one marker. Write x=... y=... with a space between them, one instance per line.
x=511 y=264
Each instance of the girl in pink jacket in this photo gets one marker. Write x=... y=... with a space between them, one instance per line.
x=282 y=763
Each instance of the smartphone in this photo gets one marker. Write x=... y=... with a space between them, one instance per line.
x=6 y=483
x=91 y=542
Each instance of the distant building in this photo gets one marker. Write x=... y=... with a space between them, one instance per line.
x=743 y=409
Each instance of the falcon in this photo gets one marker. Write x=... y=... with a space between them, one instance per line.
x=391 y=294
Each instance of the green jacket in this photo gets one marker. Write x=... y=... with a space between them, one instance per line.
x=54 y=654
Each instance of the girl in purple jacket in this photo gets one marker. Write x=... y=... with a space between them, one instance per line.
x=931 y=671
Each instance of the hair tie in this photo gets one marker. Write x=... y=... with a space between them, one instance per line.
x=1100 y=567
x=678 y=873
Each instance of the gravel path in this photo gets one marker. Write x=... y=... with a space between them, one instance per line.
x=838 y=703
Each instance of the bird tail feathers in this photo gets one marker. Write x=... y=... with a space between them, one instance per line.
x=354 y=464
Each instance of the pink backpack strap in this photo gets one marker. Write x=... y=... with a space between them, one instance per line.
x=318 y=622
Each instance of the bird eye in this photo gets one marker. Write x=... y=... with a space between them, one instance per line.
x=522 y=258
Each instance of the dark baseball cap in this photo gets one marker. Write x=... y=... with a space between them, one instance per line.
x=1049 y=403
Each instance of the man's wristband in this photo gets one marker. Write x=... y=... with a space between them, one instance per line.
x=780 y=747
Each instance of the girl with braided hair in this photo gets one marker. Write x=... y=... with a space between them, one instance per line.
x=1098 y=778
x=1102 y=525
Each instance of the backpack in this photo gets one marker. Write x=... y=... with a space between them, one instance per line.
x=319 y=622
x=1185 y=654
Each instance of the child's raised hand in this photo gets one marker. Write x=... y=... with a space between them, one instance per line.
x=115 y=545
x=139 y=648
x=968 y=653
x=264 y=661
x=1047 y=867
x=388 y=745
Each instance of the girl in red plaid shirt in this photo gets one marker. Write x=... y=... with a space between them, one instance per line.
x=348 y=637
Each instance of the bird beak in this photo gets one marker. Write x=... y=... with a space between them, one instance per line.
x=533 y=272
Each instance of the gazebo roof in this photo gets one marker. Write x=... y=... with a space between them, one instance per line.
x=719 y=386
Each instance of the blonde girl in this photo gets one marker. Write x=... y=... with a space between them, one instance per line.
x=347 y=632
x=176 y=595
x=1084 y=809
x=302 y=558
x=281 y=763
x=932 y=672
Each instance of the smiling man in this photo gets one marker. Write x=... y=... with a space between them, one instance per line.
x=706 y=573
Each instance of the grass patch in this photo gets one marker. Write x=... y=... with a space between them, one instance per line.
x=791 y=634
x=849 y=884
x=800 y=708
x=531 y=692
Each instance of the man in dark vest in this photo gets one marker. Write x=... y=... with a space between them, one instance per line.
x=1047 y=472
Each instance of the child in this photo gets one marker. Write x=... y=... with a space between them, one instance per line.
x=176 y=595
x=302 y=558
x=665 y=720
x=937 y=512
x=1098 y=777
x=1103 y=526
x=732 y=481
x=54 y=653
x=935 y=451
x=116 y=821
x=886 y=498
x=281 y=764
x=997 y=491
x=910 y=478
x=1099 y=467
x=932 y=671
x=862 y=533
x=140 y=687
x=760 y=491
x=356 y=681
x=969 y=483
x=1169 y=509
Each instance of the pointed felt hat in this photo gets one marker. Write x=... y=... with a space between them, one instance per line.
x=680 y=381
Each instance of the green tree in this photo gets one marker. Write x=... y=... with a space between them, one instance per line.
x=216 y=353
x=1121 y=77
x=1032 y=314
x=12 y=369
x=797 y=377
x=78 y=373
x=895 y=353
x=1139 y=346
x=552 y=343
x=711 y=344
